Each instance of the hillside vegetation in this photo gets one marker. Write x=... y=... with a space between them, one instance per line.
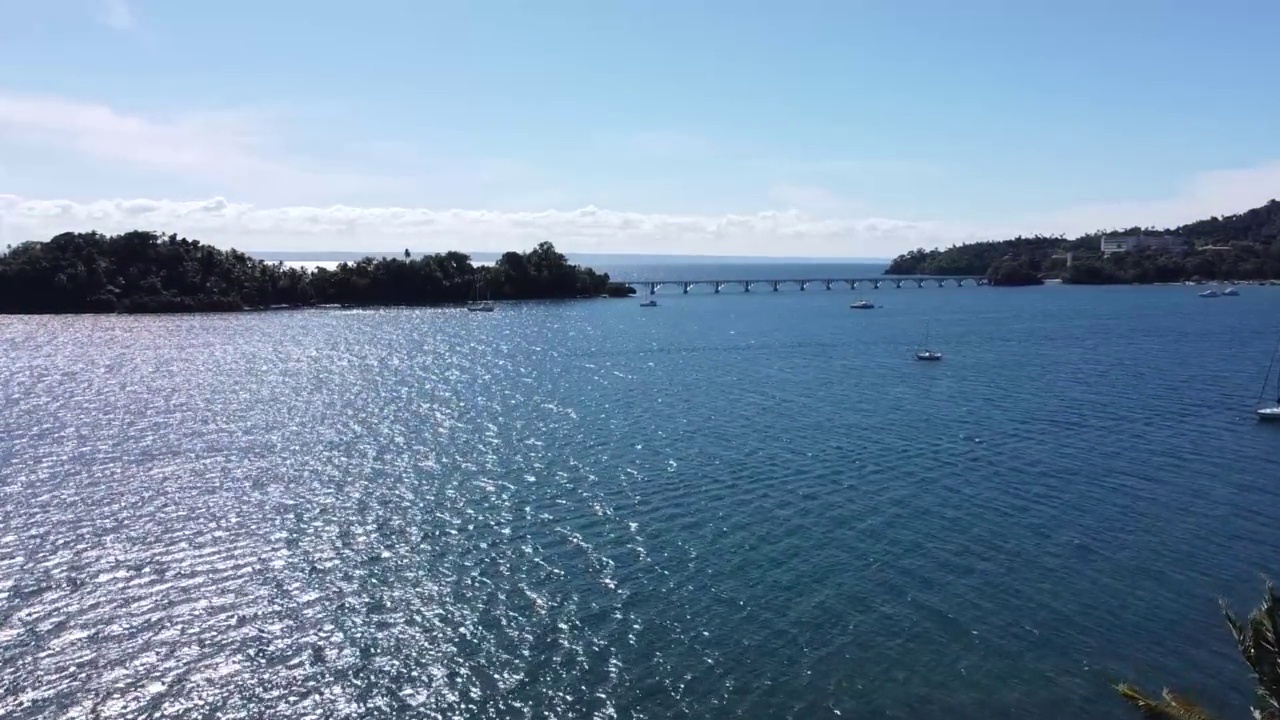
x=1234 y=247
x=148 y=272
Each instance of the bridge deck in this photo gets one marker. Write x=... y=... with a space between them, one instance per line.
x=803 y=283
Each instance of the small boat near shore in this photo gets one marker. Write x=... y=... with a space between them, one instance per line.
x=863 y=305
x=649 y=303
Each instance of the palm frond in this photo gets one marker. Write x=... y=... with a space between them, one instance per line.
x=1256 y=639
x=1167 y=707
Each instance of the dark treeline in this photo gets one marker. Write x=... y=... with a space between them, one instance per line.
x=1235 y=247
x=148 y=272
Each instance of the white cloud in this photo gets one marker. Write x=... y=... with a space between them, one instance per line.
x=1218 y=192
x=218 y=149
x=117 y=14
x=794 y=232
x=217 y=144
x=585 y=230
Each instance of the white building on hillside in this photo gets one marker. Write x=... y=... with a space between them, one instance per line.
x=1128 y=243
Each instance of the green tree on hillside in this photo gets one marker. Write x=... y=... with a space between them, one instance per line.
x=148 y=272
x=1235 y=247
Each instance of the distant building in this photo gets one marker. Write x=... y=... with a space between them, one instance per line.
x=1129 y=243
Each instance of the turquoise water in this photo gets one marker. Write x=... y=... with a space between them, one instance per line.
x=727 y=506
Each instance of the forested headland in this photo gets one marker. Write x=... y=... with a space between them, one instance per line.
x=148 y=272
x=1233 y=247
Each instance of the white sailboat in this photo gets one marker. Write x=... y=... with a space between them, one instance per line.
x=1267 y=410
x=478 y=306
x=924 y=353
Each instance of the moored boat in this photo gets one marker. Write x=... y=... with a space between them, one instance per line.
x=924 y=353
x=1265 y=410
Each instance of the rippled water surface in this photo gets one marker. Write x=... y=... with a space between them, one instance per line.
x=727 y=506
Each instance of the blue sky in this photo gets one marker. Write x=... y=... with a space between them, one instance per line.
x=823 y=128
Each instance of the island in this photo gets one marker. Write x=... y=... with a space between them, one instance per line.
x=143 y=271
x=1243 y=247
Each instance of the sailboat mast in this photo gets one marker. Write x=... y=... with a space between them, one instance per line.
x=1267 y=378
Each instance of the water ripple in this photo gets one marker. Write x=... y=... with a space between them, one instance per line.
x=735 y=506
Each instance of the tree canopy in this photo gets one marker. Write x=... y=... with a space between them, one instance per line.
x=148 y=272
x=1233 y=247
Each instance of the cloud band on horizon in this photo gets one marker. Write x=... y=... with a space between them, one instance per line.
x=588 y=229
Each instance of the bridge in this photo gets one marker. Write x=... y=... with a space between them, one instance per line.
x=874 y=282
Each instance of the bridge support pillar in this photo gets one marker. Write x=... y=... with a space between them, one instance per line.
x=804 y=285
x=746 y=286
x=897 y=284
x=942 y=283
x=718 y=285
x=826 y=284
x=686 y=288
x=775 y=284
x=919 y=283
x=877 y=285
